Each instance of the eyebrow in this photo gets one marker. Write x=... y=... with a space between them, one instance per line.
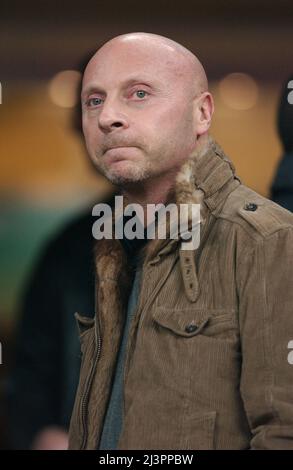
x=92 y=88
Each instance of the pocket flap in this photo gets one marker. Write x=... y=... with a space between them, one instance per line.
x=182 y=322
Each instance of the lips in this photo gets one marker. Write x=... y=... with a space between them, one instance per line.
x=123 y=154
x=118 y=147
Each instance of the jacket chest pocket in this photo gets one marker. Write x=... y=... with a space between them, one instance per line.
x=201 y=347
x=195 y=363
x=184 y=323
x=191 y=322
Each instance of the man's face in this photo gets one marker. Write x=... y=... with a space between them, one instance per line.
x=137 y=112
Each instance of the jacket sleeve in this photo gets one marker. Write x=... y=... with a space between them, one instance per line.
x=265 y=290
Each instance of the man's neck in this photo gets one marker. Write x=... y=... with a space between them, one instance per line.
x=154 y=191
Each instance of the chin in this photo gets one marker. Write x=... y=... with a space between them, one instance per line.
x=121 y=179
x=124 y=175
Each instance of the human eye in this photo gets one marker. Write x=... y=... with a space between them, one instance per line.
x=141 y=93
x=93 y=102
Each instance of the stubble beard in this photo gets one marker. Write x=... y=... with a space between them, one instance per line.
x=135 y=173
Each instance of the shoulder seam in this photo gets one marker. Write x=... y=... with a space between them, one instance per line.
x=253 y=232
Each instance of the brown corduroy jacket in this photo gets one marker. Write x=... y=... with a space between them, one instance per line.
x=207 y=356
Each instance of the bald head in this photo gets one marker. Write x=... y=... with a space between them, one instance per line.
x=176 y=58
x=145 y=103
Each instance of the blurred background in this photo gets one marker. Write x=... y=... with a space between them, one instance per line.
x=45 y=177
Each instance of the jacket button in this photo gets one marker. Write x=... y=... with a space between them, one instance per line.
x=190 y=328
x=251 y=206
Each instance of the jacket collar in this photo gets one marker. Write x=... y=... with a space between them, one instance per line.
x=206 y=178
x=203 y=176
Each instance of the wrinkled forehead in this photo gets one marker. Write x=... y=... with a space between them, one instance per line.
x=119 y=62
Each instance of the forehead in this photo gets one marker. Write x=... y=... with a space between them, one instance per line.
x=125 y=62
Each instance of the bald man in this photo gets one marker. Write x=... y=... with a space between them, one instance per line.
x=188 y=349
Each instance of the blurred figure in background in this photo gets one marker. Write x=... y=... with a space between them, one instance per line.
x=282 y=187
x=47 y=360
x=43 y=383
x=45 y=377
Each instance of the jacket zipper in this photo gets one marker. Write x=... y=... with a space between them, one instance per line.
x=84 y=400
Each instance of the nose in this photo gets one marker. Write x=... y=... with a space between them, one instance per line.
x=111 y=117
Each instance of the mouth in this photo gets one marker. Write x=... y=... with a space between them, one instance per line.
x=118 y=153
x=118 y=147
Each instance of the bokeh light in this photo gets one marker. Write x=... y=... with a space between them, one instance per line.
x=63 y=88
x=239 y=91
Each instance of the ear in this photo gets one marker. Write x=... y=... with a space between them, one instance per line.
x=203 y=111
